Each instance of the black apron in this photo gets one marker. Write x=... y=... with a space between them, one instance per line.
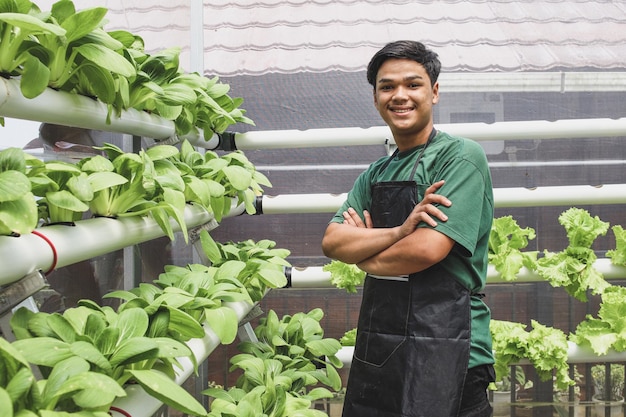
x=413 y=339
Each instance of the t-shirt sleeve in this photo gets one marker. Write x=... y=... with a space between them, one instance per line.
x=465 y=186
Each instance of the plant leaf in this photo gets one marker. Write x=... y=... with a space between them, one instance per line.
x=158 y=385
x=223 y=321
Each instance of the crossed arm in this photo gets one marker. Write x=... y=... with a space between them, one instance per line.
x=400 y=250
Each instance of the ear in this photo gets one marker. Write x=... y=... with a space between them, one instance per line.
x=436 y=93
x=375 y=98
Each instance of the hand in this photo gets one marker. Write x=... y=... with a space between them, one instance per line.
x=427 y=210
x=352 y=218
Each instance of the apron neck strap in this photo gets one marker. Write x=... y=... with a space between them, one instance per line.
x=419 y=158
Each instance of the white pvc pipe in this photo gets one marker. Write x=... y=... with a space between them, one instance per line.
x=310 y=277
x=575 y=354
x=20 y=256
x=567 y=195
x=316 y=277
x=138 y=403
x=302 y=203
x=63 y=108
x=379 y=135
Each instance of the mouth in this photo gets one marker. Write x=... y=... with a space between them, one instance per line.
x=401 y=110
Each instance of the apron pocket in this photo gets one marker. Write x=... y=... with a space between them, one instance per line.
x=383 y=320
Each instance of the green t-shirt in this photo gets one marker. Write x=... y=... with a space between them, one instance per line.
x=463 y=165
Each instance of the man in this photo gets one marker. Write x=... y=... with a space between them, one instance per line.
x=418 y=223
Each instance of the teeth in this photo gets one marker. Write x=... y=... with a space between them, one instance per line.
x=402 y=111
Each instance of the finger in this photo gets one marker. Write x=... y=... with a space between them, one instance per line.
x=433 y=188
x=368 y=219
x=436 y=199
x=355 y=217
x=347 y=219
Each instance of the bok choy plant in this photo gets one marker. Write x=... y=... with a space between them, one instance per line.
x=21 y=395
x=259 y=266
x=110 y=349
x=69 y=50
x=18 y=207
x=280 y=369
x=20 y=54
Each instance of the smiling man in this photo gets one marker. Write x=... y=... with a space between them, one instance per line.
x=418 y=223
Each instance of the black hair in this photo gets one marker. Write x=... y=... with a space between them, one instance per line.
x=412 y=50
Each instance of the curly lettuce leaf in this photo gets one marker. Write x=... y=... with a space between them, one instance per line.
x=608 y=330
x=582 y=229
x=547 y=351
x=349 y=338
x=618 y=255
x=572 y=268
x=343 y=275
x=506 y=240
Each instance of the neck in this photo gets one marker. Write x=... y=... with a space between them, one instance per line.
x=406 y=142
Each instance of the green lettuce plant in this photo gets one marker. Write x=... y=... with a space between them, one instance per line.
x=618 y=255
x=345 y=276
x=506 y=242
x=545 y=347
x=572 y=268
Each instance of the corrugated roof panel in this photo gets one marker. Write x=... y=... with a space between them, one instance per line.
x=286 y=36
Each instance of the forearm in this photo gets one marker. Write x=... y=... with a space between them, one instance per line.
x=414 y=253
x=352 y=245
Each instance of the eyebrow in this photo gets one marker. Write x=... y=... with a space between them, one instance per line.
x=407 y=78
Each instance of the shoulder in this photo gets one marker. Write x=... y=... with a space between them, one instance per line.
x=460 y=147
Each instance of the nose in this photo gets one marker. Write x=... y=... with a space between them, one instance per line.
x=399 y=94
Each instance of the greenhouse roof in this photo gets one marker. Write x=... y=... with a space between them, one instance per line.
x=243 y=37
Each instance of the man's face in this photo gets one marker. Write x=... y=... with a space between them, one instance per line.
x=404 y=97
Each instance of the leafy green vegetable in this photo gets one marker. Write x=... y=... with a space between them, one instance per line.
x=18 y=208
x=280 y=368
x=259 y=266
x=572 y=268
x=608 y=330
x=343 y=275
x=506 y=240
x=349 y=338
x=545 y=347
x=618 y=255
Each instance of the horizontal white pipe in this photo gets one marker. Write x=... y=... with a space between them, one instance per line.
x=310 y=277
x=506 y=164
x=567 y=195
x=555 y=82
x=316 y=277
x=63 y=108
x=20 y=256
x=379 y=135
x=138 y=403
x=575 y=354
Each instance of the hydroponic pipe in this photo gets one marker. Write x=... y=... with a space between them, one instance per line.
x=55 y=246
x=575 y=354
x=566 y=195
x=379 y=135
x=63 y=108
x=316 y=277
x=138 y=403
